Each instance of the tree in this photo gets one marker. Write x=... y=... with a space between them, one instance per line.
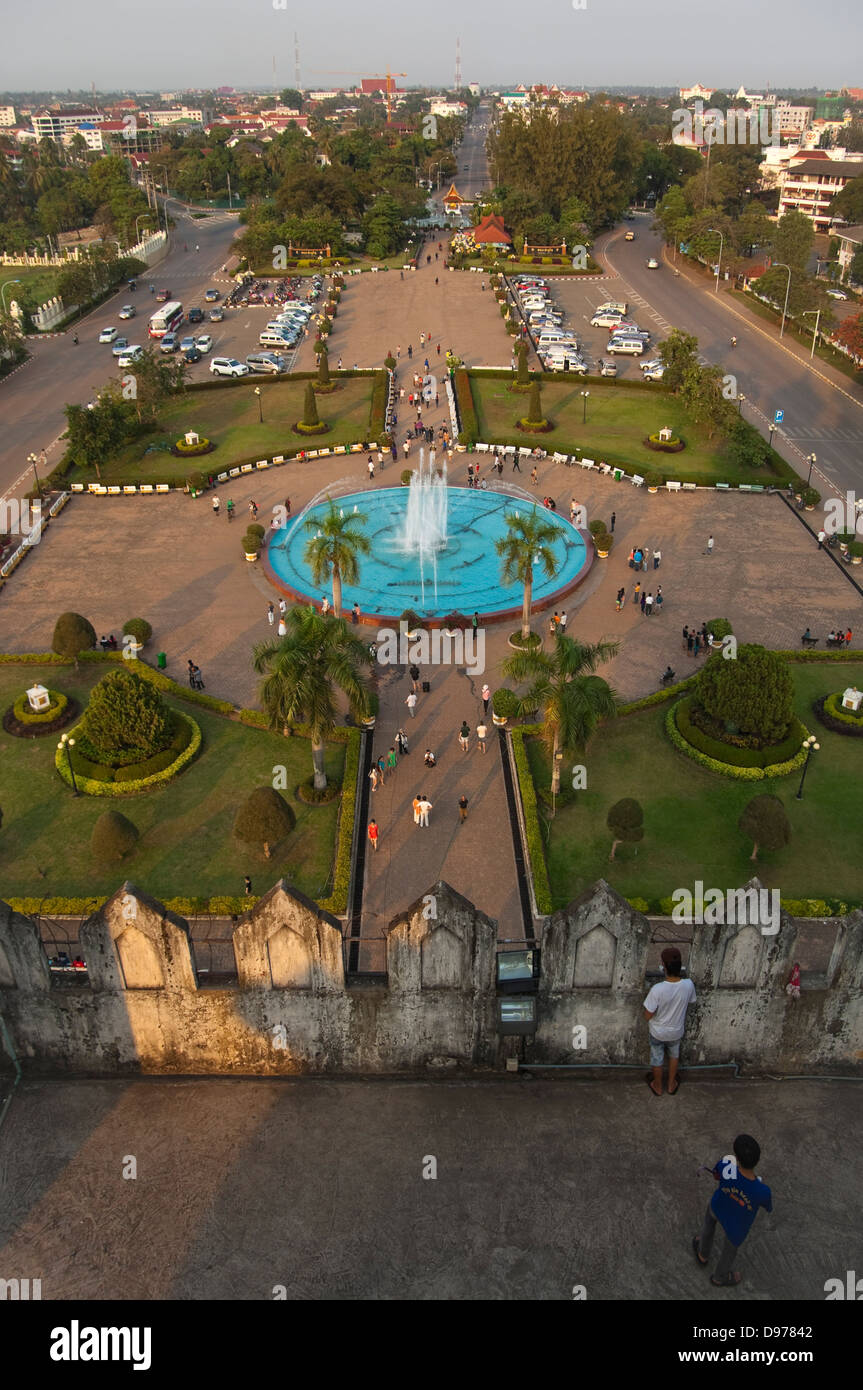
x=765 y=823
x=534 y=406
x=264 y=818
x=127 y=719
x=324 y=369
x=855 y=267
x=529 y=540
x=157 y=377
x=522 y=375
x=793 y=236
x=98 y=431
x=310 y=407
x=849 y=203
x=850 y=332
x=679 y=355
x=291 y=97
x=336 y=549
x=572 y=698
x=113 y=836
x=702 y=390
x=73 y=635
x=752 y=695
x=303 y=671
x=625 y=821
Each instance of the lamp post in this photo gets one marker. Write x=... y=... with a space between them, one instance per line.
x=260 y=406
x=811 y=745
x=817 y=313
x=137 y=220
x=740 y=399
x=31 y=458
x=771 y=430
x=584 y=396
x=810 y=459
x=719 y=262
x=68 y=744
x=3 y=292
x=780 y=265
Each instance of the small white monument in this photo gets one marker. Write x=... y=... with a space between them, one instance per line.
x=852 y=698
x=191 y=438
x=665 y=435
x=40 y=699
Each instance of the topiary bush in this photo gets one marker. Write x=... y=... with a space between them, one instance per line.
x=753 y=694
x=138 y=628
x=720 y=627
x=126 y=719
x=504 y=703
x=765 y=822
x=264 y=818
x=73 y=635
x=113 y=836
x=625 y=820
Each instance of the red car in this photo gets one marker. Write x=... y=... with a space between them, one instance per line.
x=163 y=296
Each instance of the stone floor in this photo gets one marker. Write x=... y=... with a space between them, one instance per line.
x=541 y=1185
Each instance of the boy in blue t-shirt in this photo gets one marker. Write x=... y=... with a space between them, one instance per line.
x=734 y=1205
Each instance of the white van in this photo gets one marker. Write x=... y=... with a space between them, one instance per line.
x=557 y=361
x=554 y=337
x=619 y=306
x=606 y=318
x=632 y=347
x=273 y=337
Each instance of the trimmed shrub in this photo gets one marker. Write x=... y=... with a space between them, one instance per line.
x=138 y=628
x=25 y=715
x=764 y=821
x=720 y=627
x=504 y=703
x=256 y=529
x=113 y=836
x=831 y=714
x=754 y=693
x=252 y=543
x=625 y=820
x=724 y=766
x=337 y=902
x=264 y=818
x=73 y=635
x=91 y=786
x=733 y=753
x=126 y=719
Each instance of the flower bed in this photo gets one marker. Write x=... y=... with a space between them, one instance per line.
x=842 y=721
x=139 y=777
x=23 y=722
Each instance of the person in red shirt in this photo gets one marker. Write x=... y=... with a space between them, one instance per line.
x=848 y=638
x=373 y=834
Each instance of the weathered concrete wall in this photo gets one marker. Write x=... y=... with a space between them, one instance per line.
x=143 y=1007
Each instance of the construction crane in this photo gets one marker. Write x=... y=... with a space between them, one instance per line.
x=387 y=77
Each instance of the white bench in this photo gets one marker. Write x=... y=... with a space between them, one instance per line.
x=525 y=453
x=560 y=458
x=262 y=463
x=246 y=467
x=146 y=487
x=339 y=449
x=587 y=463
x=163 y=487
x=481 y=448
x=233 y=472
x=605 y=468
x=222 y=478
x=637 y=480
x=114 y=491
x=672 y=485
x=312 y=454
x=77 y=487
x=356 y=448
x=722 y=487
x=130 y=489
x=278 y=458
x=689 y=487
x=322 y=453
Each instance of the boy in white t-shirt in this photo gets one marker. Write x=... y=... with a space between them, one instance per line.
x=665 y=1009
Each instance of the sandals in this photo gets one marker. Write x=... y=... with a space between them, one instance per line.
x=676 y=1088
x=728 y=1282
x=696 y=1248
x=649 y=1079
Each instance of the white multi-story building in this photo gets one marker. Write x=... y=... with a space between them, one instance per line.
x=696 y=93
x=850 y=241
x=811 y=180
x=448 y=108
x=200 y=115
x=54 y=124
x=791 y=120
x=7 y=116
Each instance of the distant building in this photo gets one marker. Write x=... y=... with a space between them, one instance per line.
x=491 y=232
x=473 y=88
x=850 y=241
x=7 y=116
x=54 y=123
x=198 y=115
x=448 y=108
x=811 y=180
x=696 y=93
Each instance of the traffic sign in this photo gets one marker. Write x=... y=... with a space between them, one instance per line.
x=778 y=417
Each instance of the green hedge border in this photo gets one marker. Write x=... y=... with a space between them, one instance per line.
x=25 y=715
x=737 y=756
x=535 y=849
x=742 y=774
x=831 y=714
x=90 y=787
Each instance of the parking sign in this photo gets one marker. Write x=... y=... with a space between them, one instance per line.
x=778 y=417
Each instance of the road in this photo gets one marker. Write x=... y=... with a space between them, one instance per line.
x=60 y=374
x=823 y=410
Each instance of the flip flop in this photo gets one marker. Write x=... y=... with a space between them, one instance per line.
x=728 y=1282
x=698 y=1255
x=649 y=1079
x=676 y=1089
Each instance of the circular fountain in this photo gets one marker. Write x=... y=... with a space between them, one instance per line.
x=433 y=550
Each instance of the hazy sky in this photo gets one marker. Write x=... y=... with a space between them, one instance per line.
x=163 y=44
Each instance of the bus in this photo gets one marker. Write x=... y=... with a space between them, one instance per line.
x=166 y=320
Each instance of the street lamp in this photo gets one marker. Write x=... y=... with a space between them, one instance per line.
x=771 y=430
x=260 y=406
x=719 y=262
x=3 y=292
x=31 y=458
x=810 y=459
x=584 y=396
x=780 y=265
x=811 y=745
x=137 y=220
x=740 y=399
x=817 y=313
x=68 y=744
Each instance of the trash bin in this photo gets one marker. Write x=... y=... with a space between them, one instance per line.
x=161 y=661
x=618 y=474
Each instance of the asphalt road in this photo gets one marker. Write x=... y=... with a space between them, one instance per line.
x=60 y=374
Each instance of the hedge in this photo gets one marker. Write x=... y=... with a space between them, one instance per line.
x=535 y=850
x=378 y=411
x=25 y=715
x=831 y=714
x=91 y=787
x=658 y=697
x=337 y=902
x=726 y=768
x=466 y=408
x=732 y=753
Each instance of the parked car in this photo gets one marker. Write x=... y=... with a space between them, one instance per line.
x=655 y=373
x=196 y=316
x=107 y=335
x=163 y=296
x=651 y=364
x=203 y=342
x=607 y=368
x=228 y=366
x=266 y=362
x=606 y=318
x=632 y=347
x=120 y=347
x=131 y=355
x=652 y=264
x=837 y=294
x=169 y=343
x=612 y=306
x=211 y=296
x=187 y=344
x=192 y=354
x=216 y=315
x=127 y=312
x=630 y=236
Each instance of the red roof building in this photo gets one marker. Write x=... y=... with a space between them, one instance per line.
x=491 y=232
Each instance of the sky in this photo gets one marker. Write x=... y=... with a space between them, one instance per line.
x=166 y=44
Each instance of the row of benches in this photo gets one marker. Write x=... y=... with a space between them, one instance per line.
x=131 y=489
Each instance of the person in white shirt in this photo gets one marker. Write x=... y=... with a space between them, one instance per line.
x=665 y=1009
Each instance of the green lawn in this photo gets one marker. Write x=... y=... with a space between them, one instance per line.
x=38 y=284
x=229 y=416
x=618 y=419
x=186 y=846
x=690 y=814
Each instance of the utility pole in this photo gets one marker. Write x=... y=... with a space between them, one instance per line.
x=458 y=64
x=297 y=62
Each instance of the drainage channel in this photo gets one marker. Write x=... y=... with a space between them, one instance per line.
x=354 y=924
x=515 y=833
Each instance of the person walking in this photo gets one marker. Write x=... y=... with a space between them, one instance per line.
x=247 y=886
x=637 y=557
x=271 y=613
x=690 y=643
x=685 y=637
x=709 y=550
x=373 y=776
x=562 y=627
x=425 y=807
x=215 y=506
x=822 y=536
x=613 y=520
x=734 y=1205
x=355 y=613
x=485 y=694
x=648 y=605
x=415 y=679
x=643 y=602
x=464 y=736
x=658 y=601
x=696 y=644
x=410 y=350
x=481 y=734
x=373 y=835
x=282 y=628
x=645 y=564
x=657 y=556
x=371 y=467
x=621 y=595
x=382 y=763
x=462 y=808
x=534 y=476
x=636 y=593
x=287 y=506
x=402 y=742
x=474 y=622
x=392 y=759
x=192 y=669
x=515 y=464
x=665 y=1010
x=416 y=810
x=253 y=510
x=411 y=703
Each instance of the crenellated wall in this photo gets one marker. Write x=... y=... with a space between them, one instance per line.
x=145 y=1006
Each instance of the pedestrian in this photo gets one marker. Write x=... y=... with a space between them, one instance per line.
x=215 y=506
x=848 y=636
x=425 y=807
x=373 y=776
x=621 y=594
x=632 y=558
x=410 y=350
x=648 y=605
x=637 y=557
x=481 y=734
x=643 y=602
x=325 y=606
x=636 y=593
x=271 y=613
x=355 y=613
x=411 y=703
x=659 y=600
x=562 y=627
x=382 y=765
x=709 y=550
x=253 y=510
x=402 y=742
x=690 y=643
x=392 y=759
x=192 y=669
x=398 y=349
x=462 y=808
x=665 y=1010
x=515 y=464
x=282 y=629
x=533 y=475
x=416 y=810
x=822 y=536
x=371 y=467
x=373 y=835
x=438 y=349
x=422 y=339
x=415 y=678
x=287 y=506
x=380 y=461
x=485 y=694
x=437 y=398
x=429 y=758
x=464 y=736
x=696 y=645
x=645 y=564
x=613 y=520
x=657 y=556
x=247 y=886
x=734 y=1205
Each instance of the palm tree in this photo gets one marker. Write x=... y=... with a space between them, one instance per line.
x=529 y=541
x=573 y=699
x=302 y=672
x=335 y=547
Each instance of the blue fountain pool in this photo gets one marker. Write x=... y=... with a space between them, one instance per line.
x=468 y=570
